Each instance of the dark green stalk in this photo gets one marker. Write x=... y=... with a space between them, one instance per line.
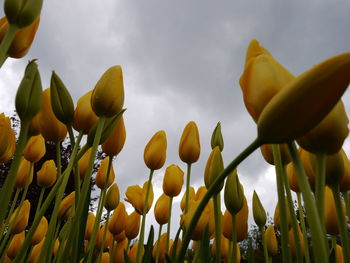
x=266 y=255
x=158 y=243
x=320 y=184
x=217 y=217
x=188 y=184
x=168 y=226
x=303 y=229
x=234 y=240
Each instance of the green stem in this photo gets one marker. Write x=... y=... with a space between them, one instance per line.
x=347 y=203
x=217 y=217
x=341 y=223
x=188 y=184
x=320 y=183
x=317 y=237
x=234 y=239
x=168 y=227
x=303 y=228
x=230 y=251
x=6 y=42
x=144 y=213
x=211 y=191
x=104 y=237
x=41 y=196
x=111 y=253
x=281 y=204
x=334 y=246
x=266 y=255
x=158 y=243
x=71 y=135
x=14 y=201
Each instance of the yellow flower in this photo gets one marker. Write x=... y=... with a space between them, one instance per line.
x=118 y=251
x=161 y=209
x=15 y=245
x=136 y=196
x=22 y=219
x=35 y=149
x=47 y=175
x=64 y=210
x=50 y=127
x=117 y=223
x=213 y=168
x=191 y=195
x=40 y=232
x=271 y=240
x=132 y=227
x=224 y=249
x=84 y=117
x=112 y=198
x=34 y=257
x=162 y=248
x=83 y=163
x=276 y=216
x=99 y=238
x=121 y=236
x=7 y=139
x=330 y=213
x=189 y=147
x=339 y=254
x=107 y=98
x=116 y=140
x=292 y=242
x=334 y=168
x=23 y=173
x=89 y=226
x=101 y=176
x=266 y=151
x=292 y=178
x=34 y=125
x=133 y=252
x=262 y=79
x=344 y=185
x=155 y=151
x=173 y=180
x=104 y=257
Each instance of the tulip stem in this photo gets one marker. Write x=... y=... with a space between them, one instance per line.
x=144 y=213
x=211 y=191
x=40 y=200
x=104 y=236
x=158 y=243
x=341 y=223
x=188 y=183
x=14 y=201
x=217 y=217
x=317 y=236
x=303 y=228
x=263 y=238
x=6 y=42
x=168 y=226
x=281 y=203
x=320 y=183
x=234 y=239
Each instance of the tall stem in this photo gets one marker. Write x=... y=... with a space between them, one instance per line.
x=14 y=201
x=320 y=183
x=234 y=240
x=188 y=184
x=217 y=217
x=303 y=229
x=266 y=255
x=168 y=227
x=158 y=243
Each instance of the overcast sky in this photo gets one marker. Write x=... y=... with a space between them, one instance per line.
x=181 y=61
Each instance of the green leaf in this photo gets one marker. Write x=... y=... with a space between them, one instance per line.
x=147 y=257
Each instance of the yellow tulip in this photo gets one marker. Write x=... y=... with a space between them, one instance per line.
x=112 y=198
x=35 y=149
x=339 y=254
x=191 y=194
x=271 y=240
x=306 y=158
x=173 y=180
x=132 y=227
x=50 y=127
x=99 y=238
x=224 y=249
x=292 y=178
x=292 y=242
x=7 y=139
x=104 y=257
x=334 y=168
x=161 y=209
x=276 y=217
x=118 y=220
x=47 y=175
x=34 y=257
x=266 y=151
x=21 y=220
x=101 y=176
x=115 y=142
x=64 y=210
x=213 y=168
x=15 y=245
x=40 y=232
x=10 y=150
x=118 y=251
x=189 y=147
x=155 y=151
x=23 y=173
x=162 y=248
x=89 y=226
x=345 y=181
x=133 y=251
x=83 y=163
x=330 y=213
x=136 y=196
x=34 y=125
x=121 y=236
x=262 y=79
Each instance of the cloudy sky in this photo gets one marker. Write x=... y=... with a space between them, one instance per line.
x=181 y=61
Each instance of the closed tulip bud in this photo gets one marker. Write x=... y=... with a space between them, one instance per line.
x=328 y=136
x=288 y=116
x=40 y=232
x=83 y=163
x=292 y=242
x=334 y=168
x=99 y=238
x=108 y=95
x=29 y=93
x=34 y=256
x=189 y=147
x=89 y=225
x=161 y=209
x=345 y=180
x=262 y=79
x=21 y=220
x=35 y=149
x=133 y=252
x=173 y=180
x=65 y=205
x=84 y=117
x=22 y=13
x=213 y=168
x=132 y=227
x=121 y=236
x=162 y=248
x=339 y=254
x=104 y=258
x=101 y=176
x=50 y=127
x=292 y=178
x=118 y=251
x=191 y=195
x=201 y=191
x=112 y=198
x=116 y=140
x=34 y=125
x=259 y=213
x=276 y=216
x=7 y=139
x=271 y=240
x=22 y=174
x=136 y=196
x=118 y=220
x=216 y=138
x=330 y=213
x=155 y=151
x=61 y=100
x=224 y=248
x=47 y=175
x=233 y=194
x=11 y=147
x=266 y=151
x=15 y=245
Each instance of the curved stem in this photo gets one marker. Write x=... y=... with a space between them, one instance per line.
x=217 y=217
x=168 y=226
x=320 y=183
x=158 y=243
x=188 y=184
x=6 y=42
x=303 y=229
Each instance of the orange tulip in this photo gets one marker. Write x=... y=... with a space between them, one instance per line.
x=132 y=227
x=40 y=232
x=64 y=210
x=118 y=221
x=21 y=220
x=15 y=245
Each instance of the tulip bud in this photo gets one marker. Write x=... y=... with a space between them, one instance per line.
x=173 y=180
x=101 y=176
x=15 y=245
x=339 y=254
x=292 y=178
x=29 y=93
x=34 y=256
x=23 y=172
x=271 y=240
x=132 y=227
x=65 y=205
x=136 y=196
x=161 y=209
x=117 y=223
x=90 y=221
x=104 y=257
x=40 y=232
x=288 y=116
x=266 y=151
x=112 y=198
x=334 y=168
x=155 y=151
x=61 y=100
x=216 y=138
x=118 y=251
x=22 y=13
x=99 y=238
x=224 y=248
x=330 y=213
x=276 y=217
x=292 y=242
x=34 y=125
x=35 y=149
x=21 y=220
x=108 y=95
x=7 y=139
x=116 y=140
x=234 y=194
x=213 y=168
x=50 y=127
x=189 y=147
x=47 y=175
x=191 y=195
x=133 y=252
x=162 y=248
x=83 y=163
x=345 y=180
x=259 y=213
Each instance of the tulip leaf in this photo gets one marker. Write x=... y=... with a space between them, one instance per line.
x=147 y=258
x=204 y=247
x=173 y=253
